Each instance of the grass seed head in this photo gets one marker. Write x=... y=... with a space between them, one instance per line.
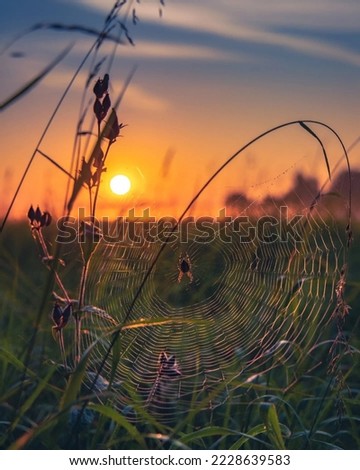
x=98 y=111
x=114 y=131
x=61 y=316
x=101 y=86
x=38 y=219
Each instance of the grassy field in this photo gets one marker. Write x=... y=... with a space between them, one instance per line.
x=293 y=404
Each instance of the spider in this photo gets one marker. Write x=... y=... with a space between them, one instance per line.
x=184 y=267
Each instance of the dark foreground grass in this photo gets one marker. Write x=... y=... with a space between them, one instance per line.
x=294 y=406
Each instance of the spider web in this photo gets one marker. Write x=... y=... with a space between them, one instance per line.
x=254 y=301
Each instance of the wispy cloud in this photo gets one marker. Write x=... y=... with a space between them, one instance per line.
x=231 y=23
x=256 y=22
x=308 y=46
x=176 y=51
x=139 y=98
x=167 y=50
x=329 y=15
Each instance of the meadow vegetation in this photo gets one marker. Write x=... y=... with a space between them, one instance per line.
x=146 y=346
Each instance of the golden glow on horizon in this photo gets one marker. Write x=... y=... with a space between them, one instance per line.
x=120 y=185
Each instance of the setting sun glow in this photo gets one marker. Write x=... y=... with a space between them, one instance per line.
x=120 y=184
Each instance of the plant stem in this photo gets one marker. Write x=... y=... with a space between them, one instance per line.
x=98 y=183
x=47 y=255
x=62 y=287
x=62 y=349
x=77 y=316
x=90 y=201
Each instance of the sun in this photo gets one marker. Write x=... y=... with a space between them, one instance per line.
x=120 y=184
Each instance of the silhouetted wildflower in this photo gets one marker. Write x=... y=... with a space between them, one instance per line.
x=106 y=104
x=168 y=366
x=85 y=172
x=38 y=219
x=97 y=108
x=101 y=86
x=61 y=316
x=114 y=131
x=101 y=109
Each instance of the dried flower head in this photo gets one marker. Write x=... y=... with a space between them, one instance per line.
x=113 y=131
x=101 y=108
x=101 y=86
x=97 y=108
x=105 y=82
x=169 y=368
x=96 y=177
x=61 y=316
x=85 y=172
x=38 y=219
x=106 y=104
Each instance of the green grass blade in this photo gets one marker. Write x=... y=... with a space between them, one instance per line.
x=250 y=435
x=208 y=432
x=271 y=420
x=74 y=385
x=31 y=399
x=120 y=420
x=8 y=357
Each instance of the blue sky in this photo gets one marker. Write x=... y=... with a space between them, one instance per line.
x=211 y=75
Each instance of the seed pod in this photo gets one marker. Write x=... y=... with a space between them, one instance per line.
x=170 y=368
x=57 y=315
x=98 y=110
x=101 y=86
x=97 y=175
x=48 y=219
x=66 y=314
x=38 y=215
x=114 y=130
x=184 y=266
x=98 y=89
x=31 y=214
x=45 y=219
x=171 y=361
x=85 y=172
x=106 y=105
x=105 y=83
